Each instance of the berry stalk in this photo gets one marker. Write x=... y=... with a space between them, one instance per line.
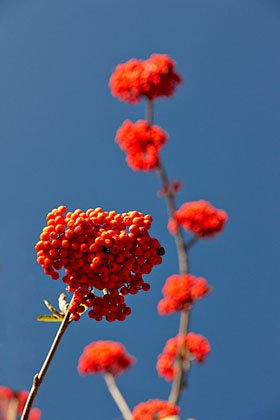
x=182 y=363
x=117 y=396
x=12 y=409
x=38 y=378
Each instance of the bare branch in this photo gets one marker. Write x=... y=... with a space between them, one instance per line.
x=38 y=378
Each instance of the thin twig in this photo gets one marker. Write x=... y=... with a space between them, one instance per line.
x=38 y=378
x=117 y=396
x=181 y=365
x=171 y=205
x=150 y=112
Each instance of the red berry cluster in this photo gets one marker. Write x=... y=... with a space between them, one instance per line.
x=151 y=78
x=180 y=291
x=199 y=217
x=101 y=250
x=194 y=345
x=142 y=143
x=104 y=356
x=7 y=395
x=155 y=409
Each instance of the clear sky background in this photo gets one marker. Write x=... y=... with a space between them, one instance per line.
x=57 y=126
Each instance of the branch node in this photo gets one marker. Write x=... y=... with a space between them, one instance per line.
x=36 y=379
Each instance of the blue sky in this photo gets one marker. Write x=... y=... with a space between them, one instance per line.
x=57 y=127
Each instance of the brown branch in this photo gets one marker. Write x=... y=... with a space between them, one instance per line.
x=181 y=365
x=117 y=396
x=38 y=378
x=171 y=205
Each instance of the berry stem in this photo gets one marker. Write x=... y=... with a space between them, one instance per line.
x=171 y=205
x=38 y=378
x=12 y=409
x=117 y=396
x=150 y=112
x=182 y=363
